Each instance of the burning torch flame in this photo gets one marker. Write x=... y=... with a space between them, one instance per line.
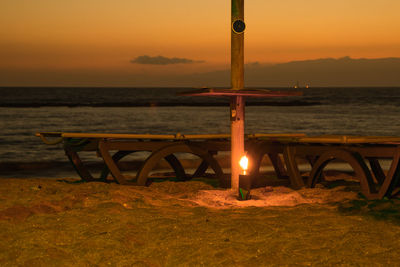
x=244 y=163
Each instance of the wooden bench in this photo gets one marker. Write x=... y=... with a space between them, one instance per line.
x=113 y=147
x=362 y=153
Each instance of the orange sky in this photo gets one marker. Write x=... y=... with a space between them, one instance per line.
x=93 y=35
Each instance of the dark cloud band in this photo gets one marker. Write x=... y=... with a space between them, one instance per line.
x=160 y=60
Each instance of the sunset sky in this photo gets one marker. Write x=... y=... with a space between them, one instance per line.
x=51 y=42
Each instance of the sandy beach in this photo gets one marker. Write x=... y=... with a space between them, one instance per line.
x=49 y=222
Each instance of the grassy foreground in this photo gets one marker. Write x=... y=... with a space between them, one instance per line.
x=44 y=222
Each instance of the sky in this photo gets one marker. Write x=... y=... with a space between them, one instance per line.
x=106 y=43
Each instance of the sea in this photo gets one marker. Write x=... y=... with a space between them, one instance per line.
x=25 y=111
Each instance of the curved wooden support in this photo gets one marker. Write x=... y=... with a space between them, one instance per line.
x=201 y=170
x=50 y=142
x=79 y=167
x=289 y=154
x=256 y=154
x=311 y=159
x=278 y=165
x=79 y=144
x=177 y=167
x=356 y=162
x=116 y=157
x=154 y=158
x=171 y=159
x=390 y=185
x=111 y=164
x=376 y=170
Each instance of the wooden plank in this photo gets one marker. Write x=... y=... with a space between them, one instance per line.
x=48 y=134
x=377 y=151
x=277 y=135
x=344 y=139
x=118 y=136
x=163 y=136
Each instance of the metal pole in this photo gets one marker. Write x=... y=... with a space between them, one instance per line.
x=237 y=83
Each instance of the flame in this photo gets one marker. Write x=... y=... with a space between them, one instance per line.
x=244 y=163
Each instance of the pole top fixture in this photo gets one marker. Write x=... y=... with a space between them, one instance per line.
x=238 y=26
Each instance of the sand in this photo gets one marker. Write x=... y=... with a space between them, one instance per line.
x=48 y=222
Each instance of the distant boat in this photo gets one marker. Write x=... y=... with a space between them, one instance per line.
x=297 y=85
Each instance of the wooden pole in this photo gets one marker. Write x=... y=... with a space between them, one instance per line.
x=237 y=47
x=237 y=83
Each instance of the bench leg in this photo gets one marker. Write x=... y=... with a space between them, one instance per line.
x=201 y=169
x=376 y=170
x=278 y=165
x=289 y=153
x=391 y=184
x=112 y=166
x=177 y=167
x=79 y=167
x=116 y=157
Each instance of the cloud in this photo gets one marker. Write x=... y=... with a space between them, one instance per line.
x=160 y=60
